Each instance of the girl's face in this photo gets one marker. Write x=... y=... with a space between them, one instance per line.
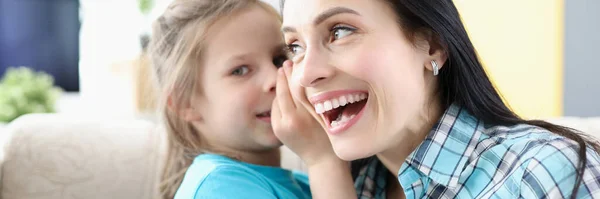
x=237 y=82
x=368 y=85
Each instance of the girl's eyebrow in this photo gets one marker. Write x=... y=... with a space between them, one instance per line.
x=238 y=57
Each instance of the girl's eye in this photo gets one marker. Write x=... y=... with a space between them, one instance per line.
x=242 y=70
x=295 y=49
x=278 y=61
x=338 y=32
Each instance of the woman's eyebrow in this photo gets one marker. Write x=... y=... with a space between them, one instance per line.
x=324 y=16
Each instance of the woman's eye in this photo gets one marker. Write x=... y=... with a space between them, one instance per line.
x=242 y=70
x=339 y=32
x=278 y=61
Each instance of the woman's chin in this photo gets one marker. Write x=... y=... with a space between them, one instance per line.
x=349 y=151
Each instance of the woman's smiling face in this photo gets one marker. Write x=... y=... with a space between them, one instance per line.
x=367 y=84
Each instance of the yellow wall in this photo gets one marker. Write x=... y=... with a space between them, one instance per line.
x=521 y=44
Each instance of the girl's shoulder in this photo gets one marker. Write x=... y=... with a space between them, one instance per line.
x=218 y=176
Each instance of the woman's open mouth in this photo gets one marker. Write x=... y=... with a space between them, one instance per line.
x=340 y=109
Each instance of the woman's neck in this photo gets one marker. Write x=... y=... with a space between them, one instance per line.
x=410 y=138
x=393 y=158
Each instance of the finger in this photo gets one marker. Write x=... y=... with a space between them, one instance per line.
x=284 y=99
x=297 y=91
x=293 y=89
x=275 y=115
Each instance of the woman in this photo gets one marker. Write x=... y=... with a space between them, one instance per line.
x=397 y=86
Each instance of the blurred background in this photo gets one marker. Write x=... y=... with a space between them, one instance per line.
x=87 y=56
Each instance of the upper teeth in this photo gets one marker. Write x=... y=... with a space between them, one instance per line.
x=330 y=104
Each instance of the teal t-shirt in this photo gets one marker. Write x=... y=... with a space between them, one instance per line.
x=214 y=176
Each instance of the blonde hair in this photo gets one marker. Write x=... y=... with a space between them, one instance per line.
x=175 y=46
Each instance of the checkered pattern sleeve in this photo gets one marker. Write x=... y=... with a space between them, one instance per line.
x=552 y=172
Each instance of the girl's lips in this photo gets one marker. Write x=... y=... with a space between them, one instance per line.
x=265 y=116
x=265 y=119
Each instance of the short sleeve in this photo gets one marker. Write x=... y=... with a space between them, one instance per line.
x=233 y=182
x=303 y=182
x=225 y=181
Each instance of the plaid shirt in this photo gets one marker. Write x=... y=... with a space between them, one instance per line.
x=463 y=158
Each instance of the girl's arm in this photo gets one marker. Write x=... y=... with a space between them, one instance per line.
x=331 y=179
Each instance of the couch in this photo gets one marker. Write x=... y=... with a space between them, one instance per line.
x=69 y=157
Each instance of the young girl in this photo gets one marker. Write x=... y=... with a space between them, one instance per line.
x=216 y=62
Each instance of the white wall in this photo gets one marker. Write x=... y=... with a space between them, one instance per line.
x=582 y=69
x=109 y=43
x=274 y=3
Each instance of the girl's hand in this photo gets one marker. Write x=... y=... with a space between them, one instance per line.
x=297 y=128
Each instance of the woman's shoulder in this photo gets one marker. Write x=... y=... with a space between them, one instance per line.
x=531 y=141
x=553 y=164
x=548 y=149
x=518 y=132
x=215 y=175
x=545 y=162
x=539 y=150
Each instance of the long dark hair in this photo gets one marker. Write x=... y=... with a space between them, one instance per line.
x=462 y=79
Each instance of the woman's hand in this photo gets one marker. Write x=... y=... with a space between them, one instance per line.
x=295 y=126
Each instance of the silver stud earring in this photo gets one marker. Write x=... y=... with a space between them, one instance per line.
x=436 y=68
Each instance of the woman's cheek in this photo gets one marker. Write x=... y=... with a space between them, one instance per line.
x=362 y=63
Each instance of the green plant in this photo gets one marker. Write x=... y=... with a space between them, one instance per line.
x=24 y=91
x=145 y=6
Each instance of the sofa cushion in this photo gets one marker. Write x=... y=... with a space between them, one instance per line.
x=589 y=126
x=59 y=156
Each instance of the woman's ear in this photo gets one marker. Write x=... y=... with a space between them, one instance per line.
x=435 y=49
x=184 y=110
